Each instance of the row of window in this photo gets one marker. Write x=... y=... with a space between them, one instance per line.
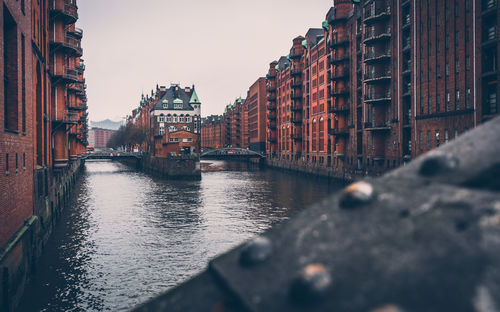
x=7 y=163
x=435 y=137
x=176 y=119
x=184 y=140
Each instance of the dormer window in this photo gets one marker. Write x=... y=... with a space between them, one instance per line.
x=178 y=106
x=165 y=104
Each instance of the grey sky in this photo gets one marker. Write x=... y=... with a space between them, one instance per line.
x=222 y=46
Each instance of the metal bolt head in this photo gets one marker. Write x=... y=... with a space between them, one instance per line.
x=357 y=194
x=256 y=251
x=437 y=164
x=388 y=308
x=311 y=284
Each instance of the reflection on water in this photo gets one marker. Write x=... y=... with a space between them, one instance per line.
x=128 y=237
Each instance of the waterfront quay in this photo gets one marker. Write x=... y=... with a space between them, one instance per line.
x=127 y=236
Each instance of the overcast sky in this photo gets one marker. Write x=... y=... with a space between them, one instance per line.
x=221 y=46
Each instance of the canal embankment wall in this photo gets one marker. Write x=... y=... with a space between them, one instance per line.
x=19 y=256
x=186 y=167
x=318 y=170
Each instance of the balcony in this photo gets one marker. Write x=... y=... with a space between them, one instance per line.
x=380 y=13
x=68 y=117
x=66 y=75
x=380 y=98
x=488 y=6
x=296 y=71
x=81 y=107
x=340 y=74
x=77 y=33
x=296 y=83
x=271 y=98
x=377 y=126
x=67 y=11
x=376 y=77
x=340 y=92
x=296 y=96
x=338 y=42
x=341 y=131
x=336 y=59
x=271 y=88
x=69 y=45
x=77 y=87
x=373 y=57
x=336 y=109
x=295 y=55
x=271 y=107
x=333 y=19
x=271 y=76
x=372 y=36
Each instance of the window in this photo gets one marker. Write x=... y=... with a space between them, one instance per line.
x=447 y=42
x=429 y=105
x=467 y=98
x=24 y=161
x=17 y=163
x=447 y=69
x=467 y=34
x=457 y=99
x=455 y=133
x=438 y=45
x=10 y=78
x=175 y=119
x=181 y=119
x=448 y=101
x=437 y=138
x=165 y=105
x=457 y=66
x=161 y=118
x=438 y=19
x=446 y=136
x=428 y=140
x=7 y=164
x=23 y=80
x=186 y=140
x=162 y=131
x=457 y=38
x=420 y=140
x=169 y=119
x=188 y=119
x=438 y=102
x=467 y=62
x=421 y=105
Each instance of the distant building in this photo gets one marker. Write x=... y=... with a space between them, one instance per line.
x=99 y=137
x=175 y=123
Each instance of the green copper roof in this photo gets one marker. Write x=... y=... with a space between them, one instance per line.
x=325 y=25
x=194 y=98
x=165 y=101
x=277 y=67
x=178 y=101
x=288 y=57
x=304 y=44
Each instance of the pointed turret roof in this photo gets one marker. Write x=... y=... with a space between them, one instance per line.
x=194 y=97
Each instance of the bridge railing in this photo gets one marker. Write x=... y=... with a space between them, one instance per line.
x=425 y=237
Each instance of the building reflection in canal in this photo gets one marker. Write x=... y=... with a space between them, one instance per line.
x=128 y=237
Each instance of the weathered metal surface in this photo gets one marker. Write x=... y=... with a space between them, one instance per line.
x=425 y=237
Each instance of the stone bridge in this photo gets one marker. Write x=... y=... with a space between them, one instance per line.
x=425 y=237
x=113 y=155
x=231 y=153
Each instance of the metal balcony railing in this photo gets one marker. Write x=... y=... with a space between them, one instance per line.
x=67 y=10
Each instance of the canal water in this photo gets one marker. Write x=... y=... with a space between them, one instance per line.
x=128 y=237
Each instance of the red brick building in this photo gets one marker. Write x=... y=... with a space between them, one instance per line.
x=256 y=115
x=42 y=126
x=99 y=137
x=383 y=82
x=213 y=135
